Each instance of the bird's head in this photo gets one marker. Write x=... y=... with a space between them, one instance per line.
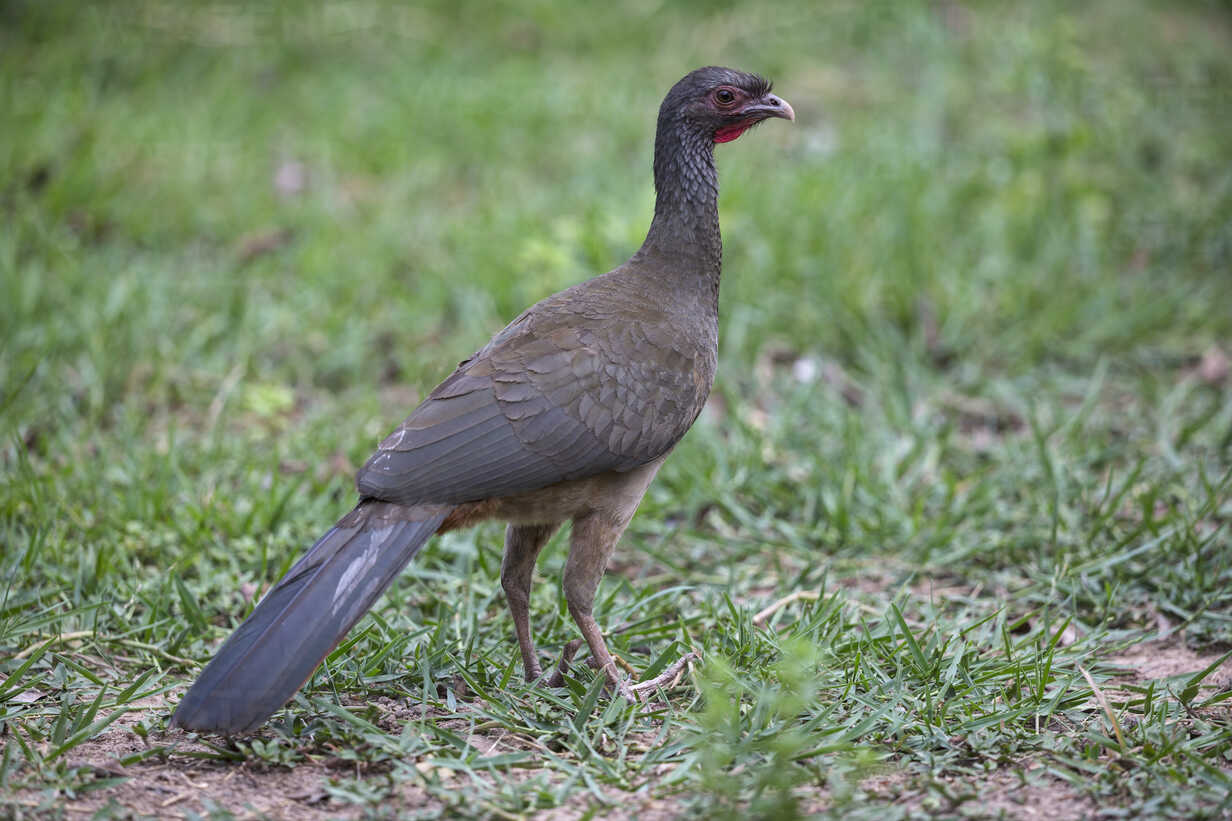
x=721 y=103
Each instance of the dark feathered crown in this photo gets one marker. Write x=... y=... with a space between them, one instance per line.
x=710 y=76
x=707 y=77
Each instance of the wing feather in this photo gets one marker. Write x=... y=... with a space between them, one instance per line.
x=554 y=396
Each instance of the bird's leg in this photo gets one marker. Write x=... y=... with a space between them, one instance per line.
x=593 y=540
x=522 y=546
x=566 y=658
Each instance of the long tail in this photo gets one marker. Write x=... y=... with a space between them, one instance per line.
x=304 y=616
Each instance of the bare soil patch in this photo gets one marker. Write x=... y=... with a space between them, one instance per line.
x=1020 y=794
x=179 y=784
x=1170 y=658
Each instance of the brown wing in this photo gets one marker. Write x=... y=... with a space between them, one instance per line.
x=546 y=400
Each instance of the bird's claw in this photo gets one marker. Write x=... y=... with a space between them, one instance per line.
x=624 y=689
x=632 y=693
x=669 y=676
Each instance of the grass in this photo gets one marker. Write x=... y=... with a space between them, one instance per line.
x=974 y=400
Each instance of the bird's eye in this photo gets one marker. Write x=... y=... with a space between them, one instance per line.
x=725 y=96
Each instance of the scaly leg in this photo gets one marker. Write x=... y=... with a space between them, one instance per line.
x=522 y=546
x=594 y=539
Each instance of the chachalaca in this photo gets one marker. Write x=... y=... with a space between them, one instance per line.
x=566 y=414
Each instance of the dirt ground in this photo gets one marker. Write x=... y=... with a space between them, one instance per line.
x=180 y=785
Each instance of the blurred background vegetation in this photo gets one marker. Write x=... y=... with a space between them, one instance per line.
x=312 y=189
x=975 y=316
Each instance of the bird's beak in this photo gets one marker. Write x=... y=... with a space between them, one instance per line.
x=770 y=105
x=763 y=108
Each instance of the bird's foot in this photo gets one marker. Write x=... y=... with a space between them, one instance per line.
x=566 y=657
x=630 y=692
x=669 y=678
x=620 y=686
x=623 y=688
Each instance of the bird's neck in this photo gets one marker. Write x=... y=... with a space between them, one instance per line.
x=685 y=229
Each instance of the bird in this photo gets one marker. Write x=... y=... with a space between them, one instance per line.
x=565 y=415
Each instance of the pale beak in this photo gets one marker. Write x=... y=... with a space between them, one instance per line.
x=771 y=105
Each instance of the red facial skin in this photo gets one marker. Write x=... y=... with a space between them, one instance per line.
x=730 y=132
x=731 y=101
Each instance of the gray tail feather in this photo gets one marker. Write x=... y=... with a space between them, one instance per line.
x=303 y=617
